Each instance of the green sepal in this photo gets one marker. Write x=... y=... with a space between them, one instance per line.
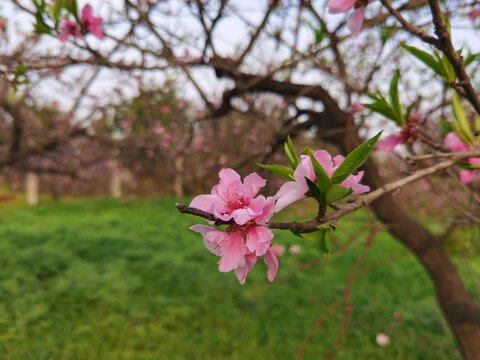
x=337 y=192
x=313 y=189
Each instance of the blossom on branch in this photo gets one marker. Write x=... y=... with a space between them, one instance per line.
x=232 y=199
x=355 y=20
x=240 y=245
x=295 y=190
x=90 y=24
x=408 y=134
x=453 y=142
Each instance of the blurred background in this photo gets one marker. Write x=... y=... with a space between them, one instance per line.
x=101 y=134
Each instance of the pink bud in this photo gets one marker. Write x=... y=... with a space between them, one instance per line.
x=294 y=249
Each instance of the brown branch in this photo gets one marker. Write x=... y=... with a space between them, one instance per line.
x=409 y=27
x=358 y=203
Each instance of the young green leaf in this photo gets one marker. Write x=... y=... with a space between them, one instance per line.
x=307 y=151
x=461 y=119
x=395 y=98
x=290 y=152
x=337 y=192
x=355 y=159
x=323 y=180
x=468 y=166
x=281 y=170
x=426 y=58
x=381 y=106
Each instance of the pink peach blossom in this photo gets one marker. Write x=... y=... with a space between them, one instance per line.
x=295 y=190
x=294 y=249
x=232 y=199
x=408 y=134
x=382 y=339
x=472 y=15
x=164 y=109
x=239 y=246
x=278 y=249
x=355 y=20
x=453 y=142
x=69 y=28
x=92 y=23
x=353 y=109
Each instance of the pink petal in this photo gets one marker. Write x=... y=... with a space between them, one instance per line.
x=251 y=185
x=353 y=181
x=288 y=193
x=267 y=211
x=453 y=142
x=271 y=260
x=233 y=252
x=205 y=202
x=242 y=216
x=355 y=21
x=337 y=160
x=259 y=239
x=324 y=158
x=338 y=6
x=87 y=13
x=211 y=246
x=466 y=176
x=230 y=184
x=389 y=143
x=242 y=271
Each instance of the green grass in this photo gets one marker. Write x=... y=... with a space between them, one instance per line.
x=104 y=280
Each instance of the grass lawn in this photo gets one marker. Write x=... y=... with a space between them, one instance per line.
x=97 y=279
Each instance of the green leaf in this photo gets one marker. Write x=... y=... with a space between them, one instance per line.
x=394 y=97
x=337 y=192
x=450 y=75
x=426 y=58
x=468 y=166
x=381 y=106
x=323 y=180
x=281 y=170
x=355 y=159
x=313 y=189
x=290 y=152
x=461 y=119
x=322 y=240
x=477 y=125
x=445 y=126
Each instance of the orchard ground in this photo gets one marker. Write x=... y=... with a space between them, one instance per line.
x=101 y=279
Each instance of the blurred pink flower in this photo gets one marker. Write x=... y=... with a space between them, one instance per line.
x=158 y=128
x=164 y=109
x=69 y=28
x=2 y=25
x=166 y=140
x=278 y=249
x=453 y=142
x=382 y=339
x=355 y=20
x=397 y=316
x=92 y=23
x=209 y=164
x=293 y=191
x=352 y=109
x=408 y=134
x=294 y=249
x=472 y=15
x=232 y=199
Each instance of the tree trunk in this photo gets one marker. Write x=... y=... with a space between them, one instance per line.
x=459 y=308
x=178 y=180
x=31 y=188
